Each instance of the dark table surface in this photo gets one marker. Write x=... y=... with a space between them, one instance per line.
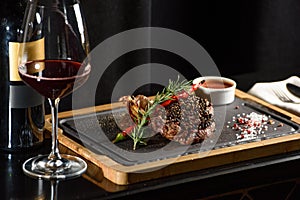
x=227 y=181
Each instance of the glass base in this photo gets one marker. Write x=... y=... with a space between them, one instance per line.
x=65 y=168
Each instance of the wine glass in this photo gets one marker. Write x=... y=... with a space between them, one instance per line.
x=53 y=59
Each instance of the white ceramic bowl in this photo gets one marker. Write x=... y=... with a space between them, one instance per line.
x=219 y=90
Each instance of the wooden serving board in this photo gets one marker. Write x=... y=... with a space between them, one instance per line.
x=114 y=176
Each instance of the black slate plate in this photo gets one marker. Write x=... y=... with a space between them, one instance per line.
x=96 y=131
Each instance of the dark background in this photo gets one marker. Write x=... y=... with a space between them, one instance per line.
x=249 y=40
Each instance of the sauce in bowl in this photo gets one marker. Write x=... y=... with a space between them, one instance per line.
x=216 y=84
x=219 y=90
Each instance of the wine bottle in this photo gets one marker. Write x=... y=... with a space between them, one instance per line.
x=21 y=108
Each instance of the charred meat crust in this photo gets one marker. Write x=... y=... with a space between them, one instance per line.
x=187 y=121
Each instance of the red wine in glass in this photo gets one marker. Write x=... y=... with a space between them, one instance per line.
x=54 y=78
x=60 y=65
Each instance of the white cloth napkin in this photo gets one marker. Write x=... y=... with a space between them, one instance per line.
x=265 y=91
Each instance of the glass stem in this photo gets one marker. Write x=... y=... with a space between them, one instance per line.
x=54 y=155
x=54 y=189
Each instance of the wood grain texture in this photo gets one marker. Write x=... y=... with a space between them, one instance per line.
x=113 y=176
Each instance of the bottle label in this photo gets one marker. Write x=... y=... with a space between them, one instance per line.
x=34 y=51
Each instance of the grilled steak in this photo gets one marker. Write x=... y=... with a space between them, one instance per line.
x=187 y=120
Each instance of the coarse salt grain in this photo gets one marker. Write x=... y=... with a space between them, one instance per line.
x=250 y=125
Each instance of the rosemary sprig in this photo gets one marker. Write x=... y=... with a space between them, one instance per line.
x=168 y=93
